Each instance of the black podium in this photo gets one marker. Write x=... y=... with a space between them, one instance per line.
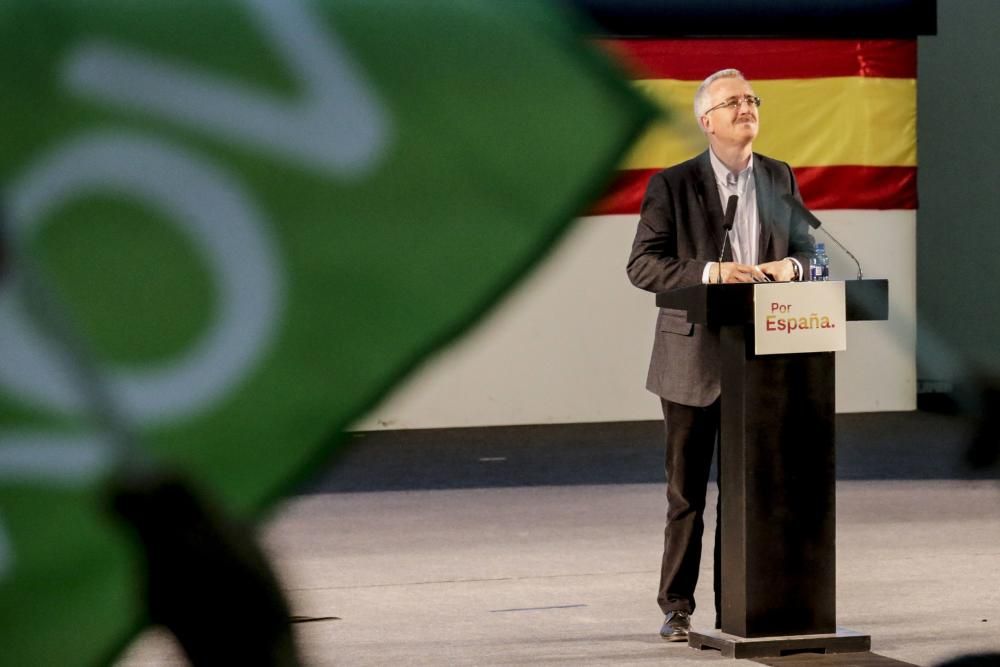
x=776 y=478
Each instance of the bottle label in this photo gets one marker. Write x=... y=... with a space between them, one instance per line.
x=819 y=272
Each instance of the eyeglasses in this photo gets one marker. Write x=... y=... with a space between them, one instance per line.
x=735 y=103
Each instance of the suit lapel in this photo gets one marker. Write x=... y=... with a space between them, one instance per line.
x=708 y=196
x=764 y=184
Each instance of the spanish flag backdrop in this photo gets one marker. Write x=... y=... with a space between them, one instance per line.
x=841 y=112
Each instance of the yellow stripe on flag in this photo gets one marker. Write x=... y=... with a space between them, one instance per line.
x=818 y=122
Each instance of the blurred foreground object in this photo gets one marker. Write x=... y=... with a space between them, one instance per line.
x=3 y=252
x=976 y=660
x=205 y=578
x=259 y=215
x=984 y=408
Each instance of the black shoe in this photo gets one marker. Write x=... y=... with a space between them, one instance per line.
x=676 y=626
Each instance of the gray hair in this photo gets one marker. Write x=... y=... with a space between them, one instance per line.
x=701 y=96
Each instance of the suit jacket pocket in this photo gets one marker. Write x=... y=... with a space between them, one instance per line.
x=674 y=321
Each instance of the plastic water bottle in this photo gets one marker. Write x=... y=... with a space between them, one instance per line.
x=819 y=265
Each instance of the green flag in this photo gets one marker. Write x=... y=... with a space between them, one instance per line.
x=259 y=215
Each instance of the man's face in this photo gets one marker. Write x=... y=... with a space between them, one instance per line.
x=730 y=125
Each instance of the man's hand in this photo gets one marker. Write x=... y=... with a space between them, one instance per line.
x=779 y=271
x=732 y=272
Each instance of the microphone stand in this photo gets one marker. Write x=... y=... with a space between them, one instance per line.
x=727 y=224
x=849 y=253
x=815 y=223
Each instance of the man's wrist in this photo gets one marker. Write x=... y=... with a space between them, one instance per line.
x=796 y=268
x=706 y=274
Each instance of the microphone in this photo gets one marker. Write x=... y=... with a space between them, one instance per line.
x=815 y=223
x=727 y=224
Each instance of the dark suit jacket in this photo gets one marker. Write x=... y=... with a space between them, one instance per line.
x=680 y=230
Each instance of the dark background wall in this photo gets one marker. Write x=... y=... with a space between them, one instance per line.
x=958 y=222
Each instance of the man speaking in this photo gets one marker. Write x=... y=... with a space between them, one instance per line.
x=681 y=241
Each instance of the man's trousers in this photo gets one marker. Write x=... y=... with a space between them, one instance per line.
x=691 y=440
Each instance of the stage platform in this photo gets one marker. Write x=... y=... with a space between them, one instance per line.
x=540 y=545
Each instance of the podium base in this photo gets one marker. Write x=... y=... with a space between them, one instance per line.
x=732 y=646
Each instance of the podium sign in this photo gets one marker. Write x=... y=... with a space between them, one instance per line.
x=799 y=317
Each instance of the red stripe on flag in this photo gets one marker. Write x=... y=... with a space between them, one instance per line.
x=836 y=187
x=850 y=186
x=695 y=59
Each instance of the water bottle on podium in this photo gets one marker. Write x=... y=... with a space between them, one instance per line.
x=819 y=265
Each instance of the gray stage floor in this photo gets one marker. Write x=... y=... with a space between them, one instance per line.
x=503 y=566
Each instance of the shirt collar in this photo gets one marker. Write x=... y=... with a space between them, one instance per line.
x=723 y=175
